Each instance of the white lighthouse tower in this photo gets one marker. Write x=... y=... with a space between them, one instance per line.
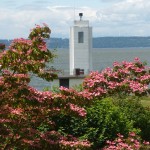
x=80 y=54
x=80 y=47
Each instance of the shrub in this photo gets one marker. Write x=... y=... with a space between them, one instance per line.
x=135 y=112
x=103 y=121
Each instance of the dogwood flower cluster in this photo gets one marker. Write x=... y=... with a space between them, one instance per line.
x=126 y=77
x=131 y=143
x=29 y=55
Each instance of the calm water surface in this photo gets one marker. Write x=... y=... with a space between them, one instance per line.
x=102 y=58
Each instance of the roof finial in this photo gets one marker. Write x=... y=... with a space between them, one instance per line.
x=80 y=14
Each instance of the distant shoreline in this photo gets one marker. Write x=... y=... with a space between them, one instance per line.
x=98 y=42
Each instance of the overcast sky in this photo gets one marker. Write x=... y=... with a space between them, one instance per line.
x=107 y=17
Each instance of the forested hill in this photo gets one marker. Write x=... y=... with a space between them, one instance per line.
x=121 y=42
x=99 y=42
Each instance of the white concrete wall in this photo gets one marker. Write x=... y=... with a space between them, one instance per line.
x=72 y=82
x=80 y=53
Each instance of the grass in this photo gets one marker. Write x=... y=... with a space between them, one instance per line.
x=146 y=101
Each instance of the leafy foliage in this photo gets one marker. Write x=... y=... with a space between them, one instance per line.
x=106 y=120
x=2 y=46
x=103 y=121
x=135 y=111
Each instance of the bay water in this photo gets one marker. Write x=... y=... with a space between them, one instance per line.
x=102 y=58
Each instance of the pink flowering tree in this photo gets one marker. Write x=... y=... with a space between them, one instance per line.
x=133 y=142
x=124 y=78
x=25 y=114
x=29 y=55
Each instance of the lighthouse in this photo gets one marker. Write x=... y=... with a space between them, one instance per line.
x=80 y=51
x=80 y=54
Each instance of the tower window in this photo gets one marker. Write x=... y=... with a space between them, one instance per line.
x=80 y=37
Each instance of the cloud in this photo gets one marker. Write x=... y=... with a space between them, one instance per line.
x=41 y=1
x=130 y=16
x=8 y=4
x=124 y=17
x=110 y=1
x=18 y=22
